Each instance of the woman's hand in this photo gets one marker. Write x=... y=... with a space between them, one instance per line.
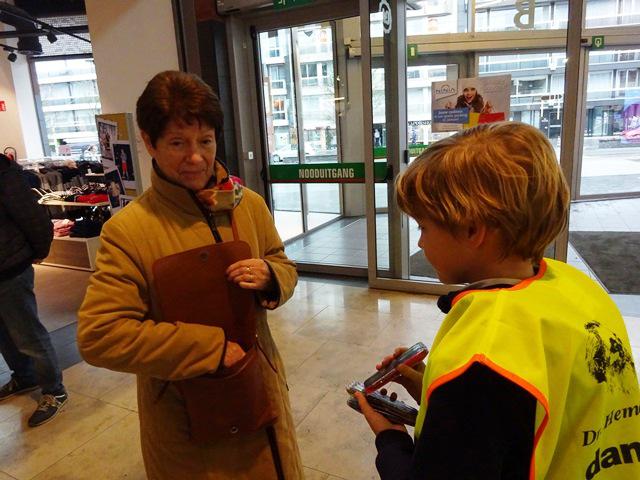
x=376 y=421
x=232 y=354
x=410 y=377
x=252 y=274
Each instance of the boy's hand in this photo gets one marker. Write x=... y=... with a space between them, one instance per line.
x=410 y=377
x=376 y=421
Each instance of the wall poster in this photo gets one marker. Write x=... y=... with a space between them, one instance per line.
x=467 y=102
x=119 y=158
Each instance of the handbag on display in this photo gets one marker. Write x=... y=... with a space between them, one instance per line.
x=192 y=287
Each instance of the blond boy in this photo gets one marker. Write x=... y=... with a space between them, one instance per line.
x=531 y=373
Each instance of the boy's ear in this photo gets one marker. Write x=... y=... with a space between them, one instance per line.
x=476 y=234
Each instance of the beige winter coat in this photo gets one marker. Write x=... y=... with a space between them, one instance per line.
x=117 y=330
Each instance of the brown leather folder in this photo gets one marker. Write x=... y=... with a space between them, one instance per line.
x=192 y=287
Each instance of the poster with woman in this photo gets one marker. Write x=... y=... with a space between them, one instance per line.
x=470 y=101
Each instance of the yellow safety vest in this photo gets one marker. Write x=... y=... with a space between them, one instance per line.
x=559 y=336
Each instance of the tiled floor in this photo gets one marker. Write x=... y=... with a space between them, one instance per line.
x=329 y=333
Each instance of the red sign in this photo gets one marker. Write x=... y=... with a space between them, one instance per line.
x=3 y=106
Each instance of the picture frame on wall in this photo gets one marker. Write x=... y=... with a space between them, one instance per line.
x=115 y=187
x=123 y=159
x=123 y=150
x=107 y=133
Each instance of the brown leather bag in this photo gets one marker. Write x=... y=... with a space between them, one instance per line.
x=192 y=287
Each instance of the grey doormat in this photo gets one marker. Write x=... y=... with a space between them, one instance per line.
x=613 y=256
x=419 y=267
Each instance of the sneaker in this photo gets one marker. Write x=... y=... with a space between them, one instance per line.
x=48 y=407
x=14 y=388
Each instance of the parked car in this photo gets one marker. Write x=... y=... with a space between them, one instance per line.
x=289 y=154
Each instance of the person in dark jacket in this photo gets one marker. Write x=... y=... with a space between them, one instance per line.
x=26 y=233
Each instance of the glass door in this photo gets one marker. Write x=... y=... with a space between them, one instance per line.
x=313 y=132
x=422 y=72
x=279 y=94
x=604 y=228
x=417 y=49
x=610 y=163
x=298 y=67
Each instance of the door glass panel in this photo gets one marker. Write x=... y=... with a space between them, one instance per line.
x=287 y=205
x=312 y=118
x=378 y=107
x=537 y=88
x=604 y=232
x=419 y=83
x=492 y=16
x=537 y=91
x=379 y=125
x=611 y=152
x=428 y=17
x=279 y=96
x=612 y=13
x=276 y=55
x=324 y=203
x=316 y=66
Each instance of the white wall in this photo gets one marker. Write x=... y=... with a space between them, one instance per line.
x=10 y=126
x=132 y=40
x=28 y=116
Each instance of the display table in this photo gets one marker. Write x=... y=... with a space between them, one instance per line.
x=71 y=252
x=60 y=203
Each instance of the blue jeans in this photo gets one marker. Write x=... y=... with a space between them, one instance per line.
x=24 y=342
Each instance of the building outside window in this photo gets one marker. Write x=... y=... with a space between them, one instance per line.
x=309 y=74
x=279 y=109
x=69 y=101
x=273 y=44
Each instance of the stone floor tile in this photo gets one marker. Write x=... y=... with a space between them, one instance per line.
x=347 y=325
x=335 y=439
x=92 y=381
x=25 y=452
x=113 y=454
x=303 y=399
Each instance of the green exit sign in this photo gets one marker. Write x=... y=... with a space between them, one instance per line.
x=284 y=4
x=597 y=42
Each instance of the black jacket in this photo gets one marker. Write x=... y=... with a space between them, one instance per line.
x=25 y=228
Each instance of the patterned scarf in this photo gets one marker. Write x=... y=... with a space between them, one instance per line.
x=225 y=194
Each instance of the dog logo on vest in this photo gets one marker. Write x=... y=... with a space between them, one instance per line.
x=607 y=358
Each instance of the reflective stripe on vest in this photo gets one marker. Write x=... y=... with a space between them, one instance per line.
x=559 y=336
